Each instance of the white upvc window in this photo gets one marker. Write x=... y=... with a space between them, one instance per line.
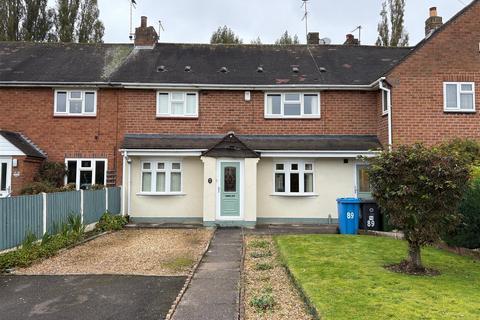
x=386 y=101
x=77 y=103
x=294 y=178
x=177 y=104
x=161 y=177
x=459 y=96
x=292 y=105
x=85 y=172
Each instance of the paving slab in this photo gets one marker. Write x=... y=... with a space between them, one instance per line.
x=213 y=293
x=92 y=297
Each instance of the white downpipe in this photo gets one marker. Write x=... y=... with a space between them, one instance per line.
x=389 y=115
x=124 y=173
x=82 y=202
x=44 y=209
x=129 y=180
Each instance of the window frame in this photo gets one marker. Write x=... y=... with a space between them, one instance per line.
x=388 y=103
x=358 y=193
x=302 y=106
x=287 y=170
x=93 y=168
x=168 y=170
x=170 y=114
x=459 y=109
x=67 y=112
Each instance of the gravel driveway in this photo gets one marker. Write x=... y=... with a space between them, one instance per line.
x=159 y=252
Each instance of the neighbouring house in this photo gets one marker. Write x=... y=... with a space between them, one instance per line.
x=232 y=134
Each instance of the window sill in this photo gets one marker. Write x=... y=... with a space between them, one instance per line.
x=297 y=195
x=161 y=194
x=292 y=118
x=384 y=114
x=60 y=115
x=178 y=117
x=459 y=111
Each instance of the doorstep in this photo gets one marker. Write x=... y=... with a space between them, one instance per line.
x=230 y=223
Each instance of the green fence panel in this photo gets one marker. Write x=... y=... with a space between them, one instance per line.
x=18 y=216
x=114 y=200
x=60 y=206
x=94 y=205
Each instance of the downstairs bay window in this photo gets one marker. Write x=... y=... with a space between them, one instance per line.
x=161 y=177
x=294 y=178
x=86 y=172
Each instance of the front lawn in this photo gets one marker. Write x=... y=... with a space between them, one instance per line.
x=344 y=278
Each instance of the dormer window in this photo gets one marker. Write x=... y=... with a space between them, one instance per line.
x=75 y=103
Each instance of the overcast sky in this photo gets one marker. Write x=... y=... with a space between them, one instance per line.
x=194 y=20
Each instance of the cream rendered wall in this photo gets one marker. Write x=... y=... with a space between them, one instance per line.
x=250 y=189
x=333 y=179
x=188 y=205
x=209 y=189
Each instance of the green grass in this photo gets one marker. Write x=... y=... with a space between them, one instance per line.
x=344 y=278
x=179 y=264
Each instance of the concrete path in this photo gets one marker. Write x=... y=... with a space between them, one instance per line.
x=94 y=297
x=213 y=293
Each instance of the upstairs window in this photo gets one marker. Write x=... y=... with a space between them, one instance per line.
x=86 y=172
x=75 y=103
x=161 y=177
x=294 y=178
x=459 y=96
x=177 y=104
x=292 y=105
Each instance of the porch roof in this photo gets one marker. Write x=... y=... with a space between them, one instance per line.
x=257 y=143
x=23 y=144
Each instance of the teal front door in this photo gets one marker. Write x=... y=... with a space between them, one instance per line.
x=230 y=190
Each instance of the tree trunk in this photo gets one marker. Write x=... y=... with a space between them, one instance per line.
x=414 y=256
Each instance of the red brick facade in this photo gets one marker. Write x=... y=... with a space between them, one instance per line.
x=453 y=54
x=342 y=112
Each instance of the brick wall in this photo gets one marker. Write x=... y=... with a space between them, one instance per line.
x=24 y=173
x=450 y=55
x=342 y=112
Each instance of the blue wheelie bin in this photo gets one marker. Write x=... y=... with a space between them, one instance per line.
x=348 y=215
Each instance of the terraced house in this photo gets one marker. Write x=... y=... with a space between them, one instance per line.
x=232 y=134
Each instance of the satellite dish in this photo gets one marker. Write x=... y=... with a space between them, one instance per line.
x=325 y=41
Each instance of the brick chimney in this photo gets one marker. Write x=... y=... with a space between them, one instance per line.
x=433 y=22
x=145 y=37
x=351 y=41
x=313 y=38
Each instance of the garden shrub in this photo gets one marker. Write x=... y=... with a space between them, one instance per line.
x=263 y=266
x=264 y=301
x=420 y=189
x=36 y=188
x=52 y=173
x=265 y=254
x=261 y=244
x=71 y=232
x=467 y=233
x=110 y=222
